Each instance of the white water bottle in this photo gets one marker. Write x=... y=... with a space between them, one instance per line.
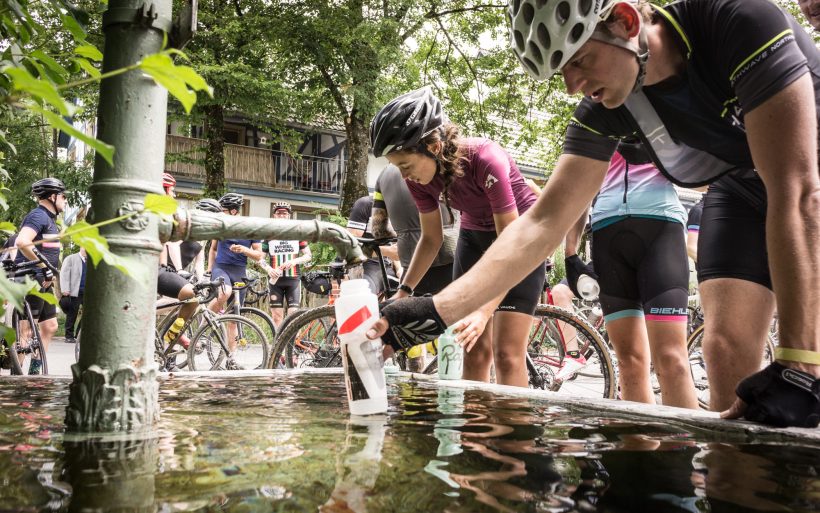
x=588 y=287
x=357 y=308
x=450 y=356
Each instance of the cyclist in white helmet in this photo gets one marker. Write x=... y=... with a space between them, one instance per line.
x=721 y=92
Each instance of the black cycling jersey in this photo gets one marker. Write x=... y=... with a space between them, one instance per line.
x=739 y=54
x=44 y=223
x=188 y=251
x=360 y=216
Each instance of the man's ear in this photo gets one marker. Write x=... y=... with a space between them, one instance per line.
x=434 y=148
x=627 y=20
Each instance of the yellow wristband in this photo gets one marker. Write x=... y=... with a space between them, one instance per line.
x=797 y=355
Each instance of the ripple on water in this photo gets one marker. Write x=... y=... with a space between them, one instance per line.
x=287 y=443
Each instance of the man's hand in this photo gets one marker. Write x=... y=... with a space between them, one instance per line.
x=238 y=248
x=407 y=323
x=275 y=273
x=286 y=265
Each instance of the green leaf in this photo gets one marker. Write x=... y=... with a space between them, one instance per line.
x=71 y=24
x=14 y=292
x=38 y=88
x=49 y=61
x=160 y=204
x=180 y=81
x=88 y=67
x=88 y=236
x=106 y=151
x=90 y=52
x=48 y=297
x=8 y=334
x=8 y=227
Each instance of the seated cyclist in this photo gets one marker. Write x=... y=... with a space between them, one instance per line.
x=286 y=257
x=169 y=283
x=40 y=225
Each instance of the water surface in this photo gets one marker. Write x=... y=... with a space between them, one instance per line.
x=287 y=443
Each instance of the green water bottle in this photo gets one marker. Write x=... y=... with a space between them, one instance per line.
x=450 y=356
x=174 y=330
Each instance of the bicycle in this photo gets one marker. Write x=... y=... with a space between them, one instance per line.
x=259 y=317
x=19 y=353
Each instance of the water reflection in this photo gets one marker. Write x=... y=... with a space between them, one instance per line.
x=287 y=443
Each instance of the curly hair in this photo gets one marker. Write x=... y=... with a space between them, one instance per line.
x=449 y=156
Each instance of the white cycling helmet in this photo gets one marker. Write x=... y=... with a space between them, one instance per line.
x=545 y=34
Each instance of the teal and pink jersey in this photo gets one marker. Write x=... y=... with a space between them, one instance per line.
x=492 y=184
x=635 y=190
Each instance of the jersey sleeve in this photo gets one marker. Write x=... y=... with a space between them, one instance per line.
x=360 y=213
x=37 y=220
x=378 y=197
x=755 y=48
x=594 y=131
x=423 y=197
x=492 y=175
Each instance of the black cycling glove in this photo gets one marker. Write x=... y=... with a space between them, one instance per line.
x=575 y=268
x=781 y=396
x=413 y=321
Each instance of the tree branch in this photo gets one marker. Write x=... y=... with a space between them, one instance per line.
x=338 y=98
x=469 y=66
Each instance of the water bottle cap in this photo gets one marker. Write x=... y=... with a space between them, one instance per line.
x=351 y=287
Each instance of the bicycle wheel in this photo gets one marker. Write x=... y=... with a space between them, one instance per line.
x=311 y=340
x=209 y=347
x=263 y=321
x=28 y=347
x=277 y=352
x=547 y=348
x=697 y=363
x=175 y=357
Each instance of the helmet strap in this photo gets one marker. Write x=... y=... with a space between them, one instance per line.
x=641 y=50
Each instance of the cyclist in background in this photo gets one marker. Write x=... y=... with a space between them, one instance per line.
x=286 y=257
x=169 y=282
x=40 y=225
x=693 y=230
x=811 y=10
x=359 y=225
x=639 y=255
x=728 y=91
x=478 y=178
x=393 y=206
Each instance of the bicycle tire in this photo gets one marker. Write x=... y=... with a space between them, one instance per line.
x=597 y=379
x=35 y=348
x=209 y=345
x=697 y=363
x=315 y=330
x=277 y=352
x=263 y=321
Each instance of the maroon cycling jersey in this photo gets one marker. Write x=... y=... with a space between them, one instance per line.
x=491 y=184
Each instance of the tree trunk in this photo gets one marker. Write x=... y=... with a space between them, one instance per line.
x=215 y=151
x=358 y=144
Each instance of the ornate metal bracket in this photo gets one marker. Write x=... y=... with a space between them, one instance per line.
x=134 y=223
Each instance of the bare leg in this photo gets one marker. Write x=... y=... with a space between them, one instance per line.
x=562 y=297
x=737 y=314
x=47 y=330
x=631 y=342
x=478 y=361
x=667 y=340
x=511 y=332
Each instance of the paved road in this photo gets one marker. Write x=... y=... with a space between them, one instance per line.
x=60 y=357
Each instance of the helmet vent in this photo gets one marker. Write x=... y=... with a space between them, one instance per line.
x=516 y=5
x=576 y=33
x=555 y=60
x=540 y=3
x=543 y=36
x=519 y=40
x=562 y=13
x=529 y=64
x=528 y=12
x=536 y=53
x=584 y=6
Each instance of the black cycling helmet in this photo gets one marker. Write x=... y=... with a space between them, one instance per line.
x=405 y=121
x=208 y=205
x=232 y=201
x=42 y=189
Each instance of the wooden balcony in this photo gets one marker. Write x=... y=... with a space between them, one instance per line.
x=258 y=167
